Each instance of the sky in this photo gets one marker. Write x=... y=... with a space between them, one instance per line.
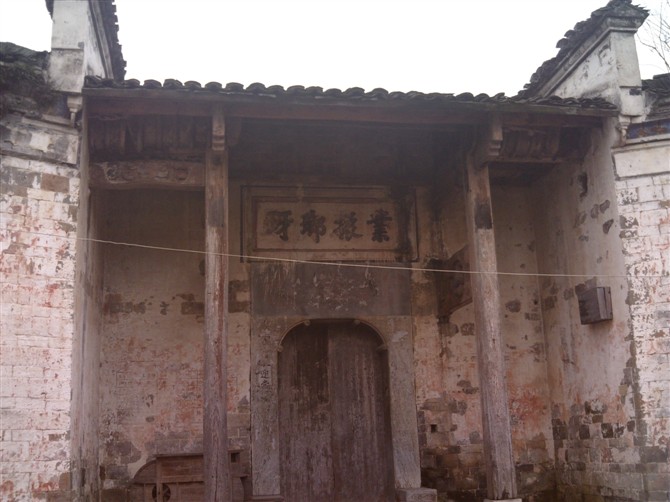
x=453 y=46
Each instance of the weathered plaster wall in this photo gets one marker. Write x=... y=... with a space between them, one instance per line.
x=448 y=400
x=610 y=71
x=239 y=338
x=565 y=222
x=38 y=225
x=525 y=355
x=595 y=415
x=75 y=51
x=643 y=196
x=49 y=356
x=151 y=351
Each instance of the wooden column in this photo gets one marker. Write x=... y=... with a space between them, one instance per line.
x=215 y=428
x=498 y=456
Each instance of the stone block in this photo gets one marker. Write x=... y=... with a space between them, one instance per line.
x=416 y=495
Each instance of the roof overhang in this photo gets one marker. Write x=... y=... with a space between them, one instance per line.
x=353 y=105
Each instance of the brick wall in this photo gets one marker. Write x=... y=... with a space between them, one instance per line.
x=644 y=210
x=38 y=210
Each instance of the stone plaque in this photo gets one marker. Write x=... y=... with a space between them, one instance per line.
x=324 y=291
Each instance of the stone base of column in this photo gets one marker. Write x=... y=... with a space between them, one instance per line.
x=502 y=500
x=416 y=495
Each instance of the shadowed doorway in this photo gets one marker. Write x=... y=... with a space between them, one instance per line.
x=335 y=435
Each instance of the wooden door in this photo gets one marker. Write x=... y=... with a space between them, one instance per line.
x=334 y=426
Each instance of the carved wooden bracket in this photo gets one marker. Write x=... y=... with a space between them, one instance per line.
x=218 y=131
x=490 y=142
x=531 y=144
x=528 y=144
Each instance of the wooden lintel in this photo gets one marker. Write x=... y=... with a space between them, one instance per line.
x=498 y=454
x=173 y=174
x=215 y=424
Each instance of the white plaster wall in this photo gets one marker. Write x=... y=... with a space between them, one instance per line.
x=609 y=71
x=643 y=159
x=75 y=52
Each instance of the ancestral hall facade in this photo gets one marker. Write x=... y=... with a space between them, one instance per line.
x=219 y=292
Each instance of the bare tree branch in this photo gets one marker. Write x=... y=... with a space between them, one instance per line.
x=655 y=34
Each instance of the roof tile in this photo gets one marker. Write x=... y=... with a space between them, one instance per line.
x=352 y=94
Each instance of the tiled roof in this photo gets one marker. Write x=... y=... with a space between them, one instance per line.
x=659 y=88
x=110 y=21
x=23 y=83
x=576 y=36
x=354 y=94
x=659 y=85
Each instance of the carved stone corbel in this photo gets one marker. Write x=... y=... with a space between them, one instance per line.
x=75 y=103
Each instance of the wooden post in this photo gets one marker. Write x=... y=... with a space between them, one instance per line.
x=215 y=427
x=498 y=455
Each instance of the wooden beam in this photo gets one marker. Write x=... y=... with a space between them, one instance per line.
x=114 y=102
x=172 y=174
x=215 y=426
x=498 y=456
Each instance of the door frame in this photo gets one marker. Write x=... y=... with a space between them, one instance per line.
x=267 y=334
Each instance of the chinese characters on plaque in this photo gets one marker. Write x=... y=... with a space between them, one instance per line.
x=314 y=226
x=357 y=223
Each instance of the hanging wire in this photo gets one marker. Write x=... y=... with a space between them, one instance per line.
x=367 y=265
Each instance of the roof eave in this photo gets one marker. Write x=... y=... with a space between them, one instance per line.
x=436 y=111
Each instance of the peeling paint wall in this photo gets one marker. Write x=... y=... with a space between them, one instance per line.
x=596 y=417
x=147 y=321
x=51 y=276
x=38 y=226
x=644 y=216
x=152 y=342
x=525 y=354
x=101 y=347
x=448 y=394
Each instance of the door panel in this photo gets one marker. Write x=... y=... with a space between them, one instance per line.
x=335 y=435
x=304 y=415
